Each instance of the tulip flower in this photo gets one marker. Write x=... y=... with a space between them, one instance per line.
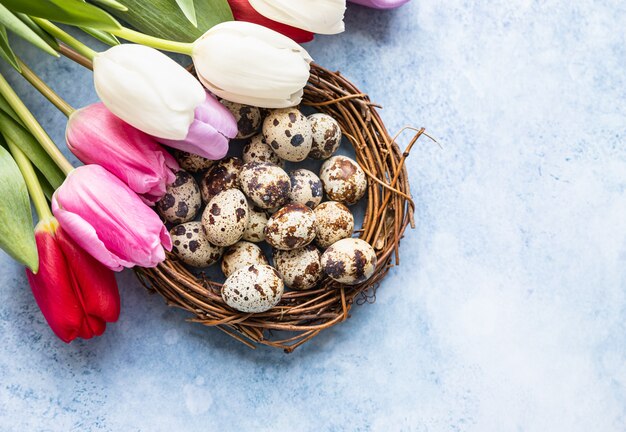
x=108 y=220
x=250 y=64
x=381 y=4
x=76 y=294
x=243 y=11
x=96 y=136
x=317 y=16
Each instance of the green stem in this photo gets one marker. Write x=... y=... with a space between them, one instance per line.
x=33 y=126
x=32 y=183
x=154 y=42
x=65 y=37
x=44 y=89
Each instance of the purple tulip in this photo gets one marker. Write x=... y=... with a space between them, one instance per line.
x=380 y=4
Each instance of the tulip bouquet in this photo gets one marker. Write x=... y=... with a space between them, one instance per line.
x=96 y=219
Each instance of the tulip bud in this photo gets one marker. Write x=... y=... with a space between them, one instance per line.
x=252 y=65
x=96 y=136
x=76 y=294
x=381 y=4
x=107 y=219
x=317 y=16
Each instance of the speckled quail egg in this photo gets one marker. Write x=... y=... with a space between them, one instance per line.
x=242 y=254
x=326 y=136
x=253 y=289
x=255 y=232
x=248 y=118
x=257 y=150
x=192 y=247
x=191 y=162
x=221 y=176
x=266 y=184
x=225 y=217
x=182 y=199
x=349 y=261
x=333 y=222
x=343 y=179
x=291 y=227
x=306 y=188
x=288 y=133
x=301 y=268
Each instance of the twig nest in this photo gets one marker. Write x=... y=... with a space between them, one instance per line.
x=301 y=268
x=253 y=289
x=288 y=132
x=291 y=227
x=255 y=232
x=343 y=179
x=326 y=135
x=257 y=150
x=333 y=222
x=266 y=184
x=349 y=261
x=242 y=254
x=182 y=199
x=192 y=247
x=221 y=176
x=225 y=218
x=306 y=188
x=248 y=118
x=192 y=163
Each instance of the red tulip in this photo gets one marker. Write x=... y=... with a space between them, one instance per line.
x=242 y=11
x=76 y=294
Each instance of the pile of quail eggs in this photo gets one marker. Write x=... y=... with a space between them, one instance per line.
x=222 y=211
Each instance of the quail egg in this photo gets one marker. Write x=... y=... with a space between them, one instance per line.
x=349 y=261
x=248 y=118
x=256 y=225
x=257 y=150
x=221 y=176
x=288 y=133
x=333 y=222
x=225 y=217
x=291 y=227
x=300 y=268
x=242 y=254
x=343 y=179
x=326 y=136
x=306 y=188
x=181 y=201
x=253 y=289
x=191 y=246
x=191 y=162
x=267 y=185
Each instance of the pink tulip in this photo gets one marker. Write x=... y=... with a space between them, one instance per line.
x=210 y=131
x=380 y=4
x=107 y=219
x=97 y=136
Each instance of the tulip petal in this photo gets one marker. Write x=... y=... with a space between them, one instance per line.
x=381 y=4
x=317 y=16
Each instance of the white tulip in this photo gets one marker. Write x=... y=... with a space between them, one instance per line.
x=251 y=64
x=317 y=16
x=148 y=90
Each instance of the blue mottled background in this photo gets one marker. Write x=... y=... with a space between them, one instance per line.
x=508 y=313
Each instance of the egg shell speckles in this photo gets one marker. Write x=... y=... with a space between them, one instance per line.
x=221 y=176
x=306 y=188
x=257 y=150
x=182 y=199
x=248 y=118
x=343 y=179
x=291 y=227
x=266 y=184
x=288 y=132
x=225 y=218
x=301 y=268
x=253 y=289
x=242 y=254
x=255 y=232
x=191 y=162
x=349 y=261
x=333 y=222
x=192 y=247
x=326 y=136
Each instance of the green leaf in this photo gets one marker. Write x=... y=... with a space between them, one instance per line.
x=48 y=191
x=41 y=32
x=73 y=12
x=113 y=4
x=189 y=10
x=164 y=19
x=14 y=24
x=5 y=49
x=17 y=236
x=101 y=35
